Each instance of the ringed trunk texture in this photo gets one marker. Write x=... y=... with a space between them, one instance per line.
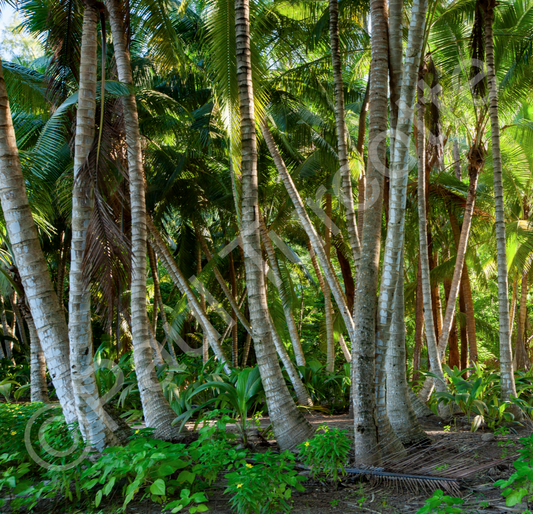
x=41 y=296
x=508 y=388
x=342 y=147
x=39 y=389
x=157 y=412
x=366 y=447
x=289 y=425
x=433 y=353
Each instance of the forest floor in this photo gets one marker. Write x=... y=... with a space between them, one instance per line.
x=476 y=459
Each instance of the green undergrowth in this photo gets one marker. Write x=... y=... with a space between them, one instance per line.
x=175 y=476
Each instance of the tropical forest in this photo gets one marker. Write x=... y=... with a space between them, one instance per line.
x=266 y=256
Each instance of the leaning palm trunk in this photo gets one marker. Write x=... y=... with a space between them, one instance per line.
x=434 y=357
x=183 y=286
x=476 y=158
x=94 y=425
x=363 y=340
x=508 y=389
x=157 y=412
x=342 y=148
x=290 y=427
x=328 y=306
x=318 y=247
x=158 y=302
x=278 y=280
x=42 y=299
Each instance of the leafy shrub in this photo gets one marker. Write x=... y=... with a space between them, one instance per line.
x=326 y=452
x=264 y=487
x=440 y=503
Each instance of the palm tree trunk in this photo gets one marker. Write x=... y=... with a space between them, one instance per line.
x=508 y=389
x=328 y=307
x=183 y=286
x=289 y=425
x=205 y=341
x=342 y=149
x=360 y=148
x=92 y=418
x=453 y=341
x=399 y=408
x=39 y=389
x=316 y=242
x=419 y=324
x=42 y=299
x=5 y=330
x=433 y=354
x=234 y=332
x=521 y=358
x=157 y=412
x=158 y=302
x=285 y=302
x=396 y=224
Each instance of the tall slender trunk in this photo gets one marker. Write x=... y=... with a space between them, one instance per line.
x=285 y=302
x=234 y=331
x=93 y=422
x=157 y=412
x=62 y=265
x=183 y=286
x=205 y=340
x=158 y=302
x=453 y=341
x=360 y=148
x=328 y=307
x=521 y=358
x=462 y=329
x=399 y=408
x=316 y=242
x=342 y=148
x=396 y=224
x=363 y=342
x=476 y=160
x=466 y=302
x=42 y=299
x=433 y=354
x=5 y=329
x=508 y=388
x=289 y=425
x=419 y=323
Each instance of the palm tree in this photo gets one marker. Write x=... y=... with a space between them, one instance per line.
x=157 y=412
x=91 y=416
x=41 y=296
x=290 y=427
x=508 y=389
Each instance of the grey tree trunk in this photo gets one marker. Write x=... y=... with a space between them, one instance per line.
x=289 y=425
x=94 y=424
x=342 y=148
x=39 y=389
x=41 y=296
x=363 y=340
x=157 y=412
x=508 y=388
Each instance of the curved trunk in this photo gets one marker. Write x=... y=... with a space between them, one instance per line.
x=289 y=425
x=94 y=424
x=157 y=412
x=342 y=149
x=508 y=388
x=289 y=317
x=41 y=296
